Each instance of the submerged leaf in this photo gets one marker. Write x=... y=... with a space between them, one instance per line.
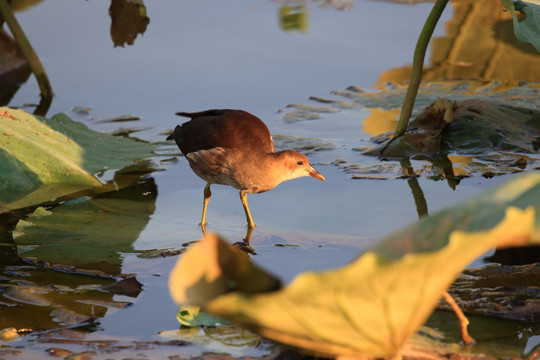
x=372 y=306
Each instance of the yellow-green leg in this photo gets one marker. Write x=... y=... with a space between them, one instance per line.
x=243 y=198
x=207 y=194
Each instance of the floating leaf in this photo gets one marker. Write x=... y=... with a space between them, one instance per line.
x=372 y=306
x=305 y=145
x=486 y=118
x=121 y=118
x=43 y=159
x=35 y=297
x=228 y=339
x=465 y=128
x=509 y=292
x=192 y=315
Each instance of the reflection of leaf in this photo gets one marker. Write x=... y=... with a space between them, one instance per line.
x=528 y=29
x=457 y=54
x=89 y=233
x=38 y=298
x=128 y=20
x=129 y=286
x=14 y=68
x=43 y=159
x=294 y=18
x=373 y=305
x=19 y=5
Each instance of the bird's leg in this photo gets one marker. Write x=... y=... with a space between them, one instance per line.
x=207 y=194
x=203 y=229
x=249 y=232
x=243 y=198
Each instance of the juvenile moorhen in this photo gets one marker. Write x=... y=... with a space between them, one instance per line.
x=234 y=147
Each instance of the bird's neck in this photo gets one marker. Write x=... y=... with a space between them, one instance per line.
x=265 y=172
x=277 y=168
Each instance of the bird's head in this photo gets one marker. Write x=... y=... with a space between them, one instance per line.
x=297 y=165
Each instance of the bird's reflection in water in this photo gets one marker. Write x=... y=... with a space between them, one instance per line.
x=243 y=245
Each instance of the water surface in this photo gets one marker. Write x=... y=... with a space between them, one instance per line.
x=215 y=54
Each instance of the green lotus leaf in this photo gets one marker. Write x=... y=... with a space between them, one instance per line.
x=372 y=306
x=44 y=159
x=192 y=315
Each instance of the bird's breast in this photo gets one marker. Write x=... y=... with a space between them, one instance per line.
x=244 y=171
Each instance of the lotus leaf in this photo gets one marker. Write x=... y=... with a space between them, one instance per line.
x=372 y=306
x=528 y=29
x=44 y=159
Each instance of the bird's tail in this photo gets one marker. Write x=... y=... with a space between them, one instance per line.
x=193 y=115
x=175 y=133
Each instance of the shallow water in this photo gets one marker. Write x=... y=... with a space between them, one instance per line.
x=198 y=55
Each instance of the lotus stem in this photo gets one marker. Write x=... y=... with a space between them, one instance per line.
x=418 y=65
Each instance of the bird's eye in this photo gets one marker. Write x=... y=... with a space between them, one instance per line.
x=300 y=162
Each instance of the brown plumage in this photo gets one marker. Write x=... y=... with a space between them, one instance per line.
x=234 y=147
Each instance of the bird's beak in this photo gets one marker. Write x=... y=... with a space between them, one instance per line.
x=317 y=175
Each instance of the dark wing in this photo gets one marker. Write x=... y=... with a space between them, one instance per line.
x=229 y=129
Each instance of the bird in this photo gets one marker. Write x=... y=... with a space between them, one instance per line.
x=235 y=148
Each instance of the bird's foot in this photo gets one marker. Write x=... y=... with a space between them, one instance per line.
x=245 y=247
